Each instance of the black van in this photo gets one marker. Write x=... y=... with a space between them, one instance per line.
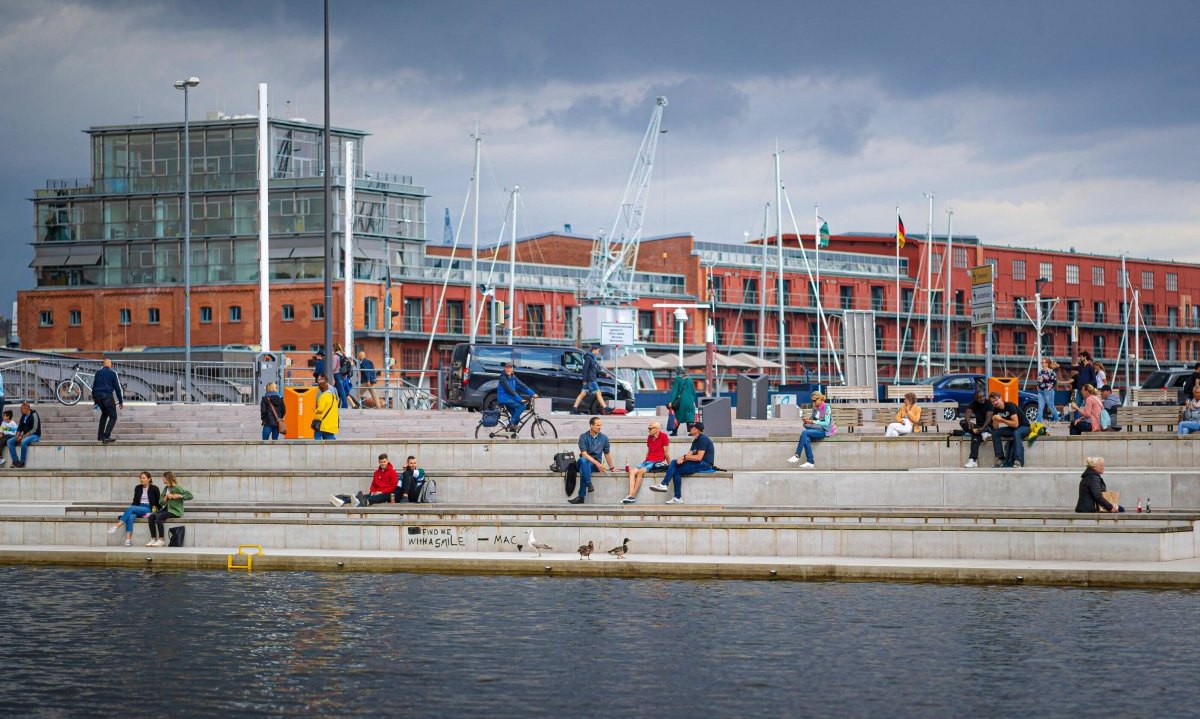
x=554 y=372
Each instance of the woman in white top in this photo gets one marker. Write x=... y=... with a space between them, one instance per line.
x=145 y=502
x=1101 y=376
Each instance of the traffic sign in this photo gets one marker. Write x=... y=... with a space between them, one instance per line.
x=617 y=333
x=983 y=315
x=983 y=296
x=981 y=275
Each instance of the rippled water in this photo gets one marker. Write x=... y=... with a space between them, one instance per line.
x=86 y=642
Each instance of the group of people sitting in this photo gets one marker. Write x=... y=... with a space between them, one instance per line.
x=156 y=505
x=1004 y=422
x=387 y=486
x=595 y=455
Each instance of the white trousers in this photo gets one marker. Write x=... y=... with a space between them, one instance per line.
x=895 y=429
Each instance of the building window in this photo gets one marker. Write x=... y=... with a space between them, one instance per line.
x=908 y=339
x=812 y=334
x=75 y=317
x=1018 y=269
x=1018 y=305
x=787 y=292
x=718 y=289
x=371 y=313
x=413 y=321
x=1072 y=311
x=1172 y=350
x=1172 y=316
x=235 y=313
x=535 y=320
x=936 y=263
x=287 y=348
x=959 y=302
x=152 y=315
x=812 y=294
x=749 y=332
x=1148 y=315
x=46 y=318
x=719 y=330
x=1048 y=344
x=289 y=313
x=1098 y=314
x=645 y=326
x=877 y=298
x=1019 y=342
x=1072 y=274
x=1046 y=269
x=1098 y=276
x=879 y=338
x=1147 y=280
x=847 y=296
x=963 y=342
x=318 y=310
x=205 y=315
x=569 y=323
x=960 y=258
x=907 y=300
x=750 y=290
x=935 y=301
x=454 y=316
x=1172 y=282
x=1097 y=346
x=1122 y=279
x=125 y=316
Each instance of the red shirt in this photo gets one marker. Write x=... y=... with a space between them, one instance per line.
x=385 y=480
x=656 y=447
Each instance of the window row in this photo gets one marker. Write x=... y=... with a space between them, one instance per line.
x=154 y=315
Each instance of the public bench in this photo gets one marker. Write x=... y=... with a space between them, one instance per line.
x=1143 y=397
x=850 y=394
x=1150 y=416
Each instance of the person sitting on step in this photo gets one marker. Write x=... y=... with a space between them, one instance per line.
x=817 y=426
x=976 y=422
x=8 y=428
x=1189 y=415
x=593 y=446
x=701 y=457
x=1008 y=423
x=411 y=480
x=658 y=458
x=29 y=431
x=908 y=417
x=383 y=487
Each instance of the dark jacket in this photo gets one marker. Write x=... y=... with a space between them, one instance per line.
x=366 y=371
x=137 y=496
x=30 y=424
x=264 y=412
x=511 y=389
x=1091 y=484
x=591 y=368
x=106 y=382
x=1189 y=385
x=1085 y=375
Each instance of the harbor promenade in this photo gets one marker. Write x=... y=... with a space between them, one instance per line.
x=874 y=508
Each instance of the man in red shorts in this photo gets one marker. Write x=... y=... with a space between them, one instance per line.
x=658 y=456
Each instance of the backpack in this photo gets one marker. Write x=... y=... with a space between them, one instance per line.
x=427 y=492
x=563 y=461
x=345 y=366
x=177 y=535
x=1105 y=419
x=489 y=417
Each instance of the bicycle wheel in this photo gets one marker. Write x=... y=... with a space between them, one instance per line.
x=68 y=392
x=482 y=432
x=542 y=429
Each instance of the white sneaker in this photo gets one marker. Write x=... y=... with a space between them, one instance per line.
x=152 y=543
x=128 y=542
x=336 y=500
x=629 y=500
x=674 y=500
x=112 y=530
x=658 y=487
x=807 y=465
x=794 y=458
x=971 y=464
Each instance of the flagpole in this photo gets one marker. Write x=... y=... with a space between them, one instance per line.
x=817 y=250
x=949 y=278
x=929 y=287
x=899 y=342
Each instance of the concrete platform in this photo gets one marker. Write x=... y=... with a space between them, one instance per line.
x=1180 y=574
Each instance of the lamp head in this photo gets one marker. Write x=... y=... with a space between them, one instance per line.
x=184 y=84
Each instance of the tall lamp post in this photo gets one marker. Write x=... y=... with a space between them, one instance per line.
x=185 y=85
x=1037 y=298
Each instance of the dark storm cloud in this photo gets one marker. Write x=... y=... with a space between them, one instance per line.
x=693 y=104
x=843 y=129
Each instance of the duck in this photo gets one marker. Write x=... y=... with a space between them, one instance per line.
x=585 y=550
x=619 y=552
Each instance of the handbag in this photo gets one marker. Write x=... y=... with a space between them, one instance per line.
x=672 y=421
x=278 y=422
x=1113 y=498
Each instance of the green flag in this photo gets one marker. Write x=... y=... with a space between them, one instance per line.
x=824 y=241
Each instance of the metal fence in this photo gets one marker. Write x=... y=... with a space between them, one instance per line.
x=37 y=379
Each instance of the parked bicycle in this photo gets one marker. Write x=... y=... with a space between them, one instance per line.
x=70 y=391
x=494 y=424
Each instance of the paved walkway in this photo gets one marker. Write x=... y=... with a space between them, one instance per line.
x=1176 y=574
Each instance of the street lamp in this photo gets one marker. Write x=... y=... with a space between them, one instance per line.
x=185 y=85
x=1037 y=298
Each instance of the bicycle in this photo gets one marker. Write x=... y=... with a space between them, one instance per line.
x=70 y=391
x=539 y=427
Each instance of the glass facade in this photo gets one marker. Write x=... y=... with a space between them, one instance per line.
x=124 y=226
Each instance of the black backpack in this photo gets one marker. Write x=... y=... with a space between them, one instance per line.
x=562 y=462
x=177 y=535
x=345 y=366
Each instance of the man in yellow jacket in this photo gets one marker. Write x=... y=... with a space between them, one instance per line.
x=327 y=411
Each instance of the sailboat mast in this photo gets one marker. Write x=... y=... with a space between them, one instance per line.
x=779 y=280
x=473 y=289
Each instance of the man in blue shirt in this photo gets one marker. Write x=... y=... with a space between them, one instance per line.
x=591 y=381
x=106 y=393
x=593 y=446
x=366 y=380
x=701 y=457
x=509 y=392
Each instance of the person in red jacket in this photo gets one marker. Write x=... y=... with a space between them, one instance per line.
x=383 y=487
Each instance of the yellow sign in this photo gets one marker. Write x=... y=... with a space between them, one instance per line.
x=981 y=275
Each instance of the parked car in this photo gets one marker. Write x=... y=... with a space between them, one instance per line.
x=553 y=372
x=1173 y=378
x=961 y=388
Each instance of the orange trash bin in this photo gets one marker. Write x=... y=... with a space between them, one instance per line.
x=301 y=405
x=1006 y=387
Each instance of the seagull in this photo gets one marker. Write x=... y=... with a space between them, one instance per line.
x=585 y=550
x=536 y=545
x=619 y=552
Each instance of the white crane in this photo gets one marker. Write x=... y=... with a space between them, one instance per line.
x=614 y=254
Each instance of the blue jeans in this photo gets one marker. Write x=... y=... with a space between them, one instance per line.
x=585 y=477
x=676 y=472
x=1188 y=426
x=515 y=410
x=807 y=437
x=270 y=432
x=135 y=511
x=320 y=436
x=12 y=447
x=1046 y=399
x=343 y=392
x=1016 y=448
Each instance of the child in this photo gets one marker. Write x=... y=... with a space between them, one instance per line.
x=8 y=428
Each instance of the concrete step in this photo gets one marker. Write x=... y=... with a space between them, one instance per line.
x=695 y=534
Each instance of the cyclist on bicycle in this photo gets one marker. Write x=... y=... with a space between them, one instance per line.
x=509 y=391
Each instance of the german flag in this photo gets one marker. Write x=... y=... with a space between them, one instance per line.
x=899 y=232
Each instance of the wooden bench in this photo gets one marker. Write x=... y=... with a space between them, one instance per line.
x=883 y=413
x=850 y=394
x=922 y=391
x=1149 y=417
x=1143 y=397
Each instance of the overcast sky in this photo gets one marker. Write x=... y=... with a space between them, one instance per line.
x=1053 y=123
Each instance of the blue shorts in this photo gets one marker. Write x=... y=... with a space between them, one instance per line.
x=653 y=466
x=591 y=386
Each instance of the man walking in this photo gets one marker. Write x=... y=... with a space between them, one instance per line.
x=700 y=458
x=106 y=393
x=593 y=446
x=366 y=381
x=591 y=381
